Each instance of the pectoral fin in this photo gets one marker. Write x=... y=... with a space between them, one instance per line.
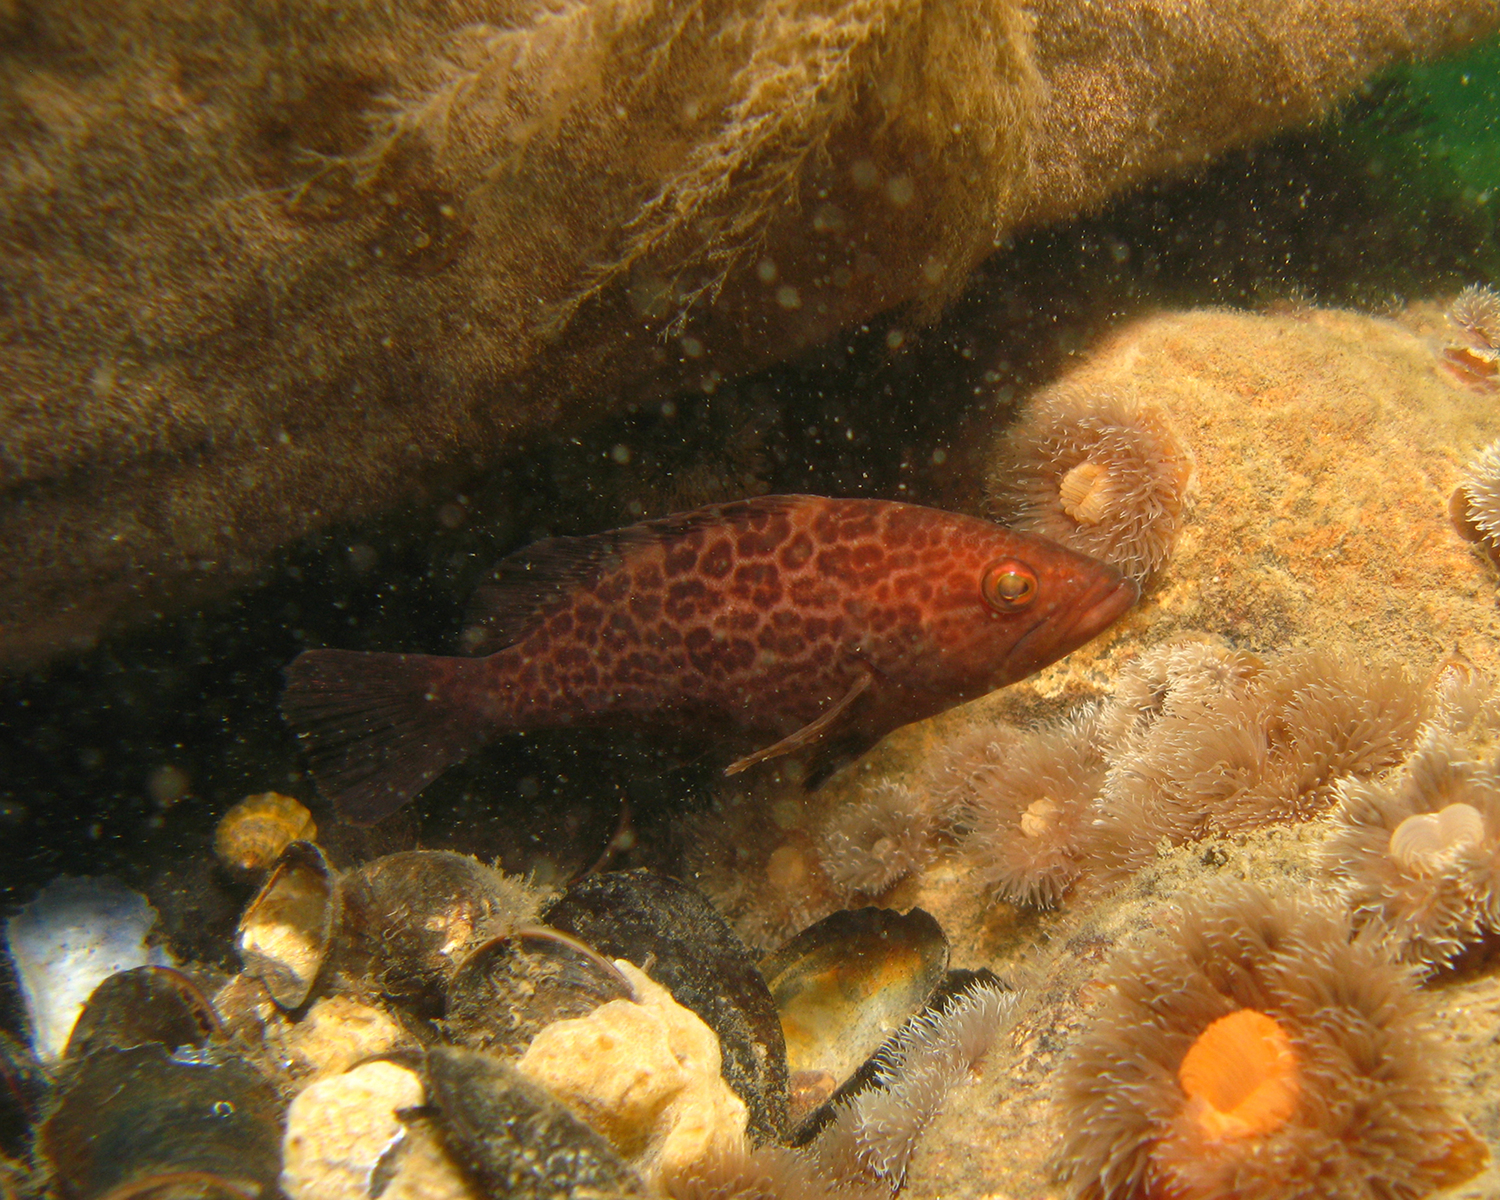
x=809 y=733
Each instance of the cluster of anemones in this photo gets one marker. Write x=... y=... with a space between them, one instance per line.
x=1215 y=741
x=1257 y=1047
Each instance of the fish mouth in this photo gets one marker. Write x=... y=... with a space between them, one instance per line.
x=1116 y=601
x=1045 y=642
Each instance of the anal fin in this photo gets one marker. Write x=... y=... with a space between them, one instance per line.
x=812 y=732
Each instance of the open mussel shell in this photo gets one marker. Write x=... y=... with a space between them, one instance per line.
x=513 y=1139
x=845 y=984
x=141 y=1123
x=143 y=1005
x=512 y=986
x=410 y=919
x=285 y=931
x=810 y=1120
x=676 y=936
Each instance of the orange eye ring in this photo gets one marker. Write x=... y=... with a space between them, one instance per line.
x=1008 y=585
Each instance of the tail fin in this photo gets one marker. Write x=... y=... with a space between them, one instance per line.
x=378 y=728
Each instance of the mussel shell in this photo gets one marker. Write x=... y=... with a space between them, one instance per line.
x=513 y=1138
x=140 y=1122
x=140 y=1006
x=950 y=989
x=23 y=1088
x=843 y=985
x=411 y=918
x=509 y=988
x=286 y=929
x=676 y=936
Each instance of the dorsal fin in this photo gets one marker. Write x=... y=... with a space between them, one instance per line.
x=526 y=583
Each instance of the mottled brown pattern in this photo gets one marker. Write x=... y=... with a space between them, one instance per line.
x=760 y=616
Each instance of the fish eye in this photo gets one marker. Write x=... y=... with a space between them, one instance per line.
x=1008 y=585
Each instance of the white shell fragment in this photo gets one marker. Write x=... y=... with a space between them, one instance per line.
x=73 y=936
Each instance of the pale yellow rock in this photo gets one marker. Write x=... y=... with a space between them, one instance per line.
x=338 y=1129
x=339 y=1032
x=425 y=1171
x=646 y=1075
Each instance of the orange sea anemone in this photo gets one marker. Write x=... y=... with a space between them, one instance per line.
x=1098 y=471
x=1256 y=1048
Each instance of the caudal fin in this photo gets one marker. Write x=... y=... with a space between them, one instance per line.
x=378 y=728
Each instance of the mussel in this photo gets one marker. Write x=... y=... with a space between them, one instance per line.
x=672 y=932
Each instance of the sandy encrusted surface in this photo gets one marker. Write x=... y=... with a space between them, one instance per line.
x=1327 y=446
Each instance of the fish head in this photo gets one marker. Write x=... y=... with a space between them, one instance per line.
x=1006 y=604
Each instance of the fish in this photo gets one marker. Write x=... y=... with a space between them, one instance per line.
x=790 y=619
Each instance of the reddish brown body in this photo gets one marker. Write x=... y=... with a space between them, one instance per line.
x=791 y=617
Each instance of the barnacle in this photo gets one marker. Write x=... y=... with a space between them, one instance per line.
x=1098 y=471
x=1255 y=1047
x=1420 y=853
x=1030 y=812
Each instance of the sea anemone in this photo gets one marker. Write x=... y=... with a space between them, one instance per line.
x=1475 y=504
x=871 y=844
x=1473 y=358
x=1211 y=742
x=1475 y=314
x=1420 y=853
x=1031 y=812
x=1099 y=471
x=874 y=1133
x=1255 y=1047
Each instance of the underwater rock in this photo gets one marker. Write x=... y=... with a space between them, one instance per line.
x=342 y=1129
x=662 y=924
x=68 y=940
x=449 y=190
x=646 y=1074
x=337 y=1033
